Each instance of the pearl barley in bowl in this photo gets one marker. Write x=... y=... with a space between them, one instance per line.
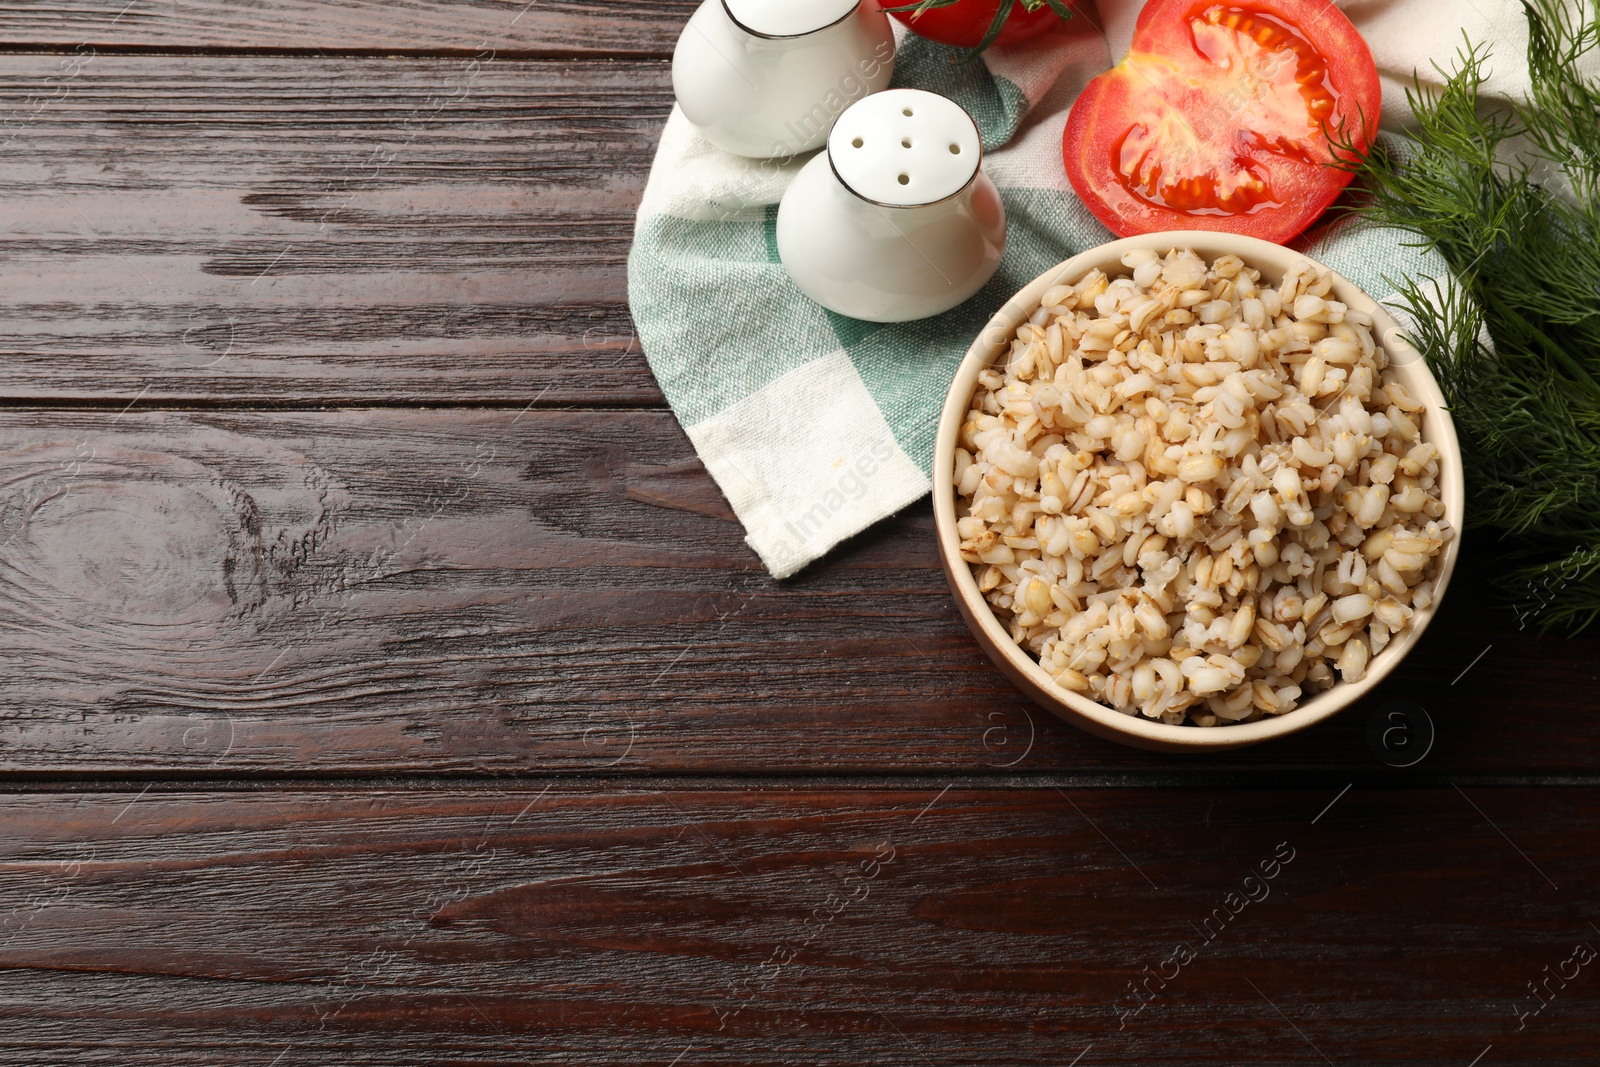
x=1194 y=490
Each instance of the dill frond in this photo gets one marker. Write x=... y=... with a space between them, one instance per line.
x=1510 y=197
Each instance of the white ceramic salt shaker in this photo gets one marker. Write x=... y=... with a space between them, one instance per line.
x=896 y=220
x=767 y=78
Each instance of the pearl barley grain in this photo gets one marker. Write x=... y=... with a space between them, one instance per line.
x=1198 y=498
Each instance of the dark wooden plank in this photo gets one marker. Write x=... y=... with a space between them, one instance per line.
x=758 y=926
x=539 y=27
x=557 y=591
x=347 y=230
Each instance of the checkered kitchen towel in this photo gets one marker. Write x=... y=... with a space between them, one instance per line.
x=815 y=425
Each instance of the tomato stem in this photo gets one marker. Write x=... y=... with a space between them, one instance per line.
x=1001 y=13
x=919 y=6
x=1062 y=8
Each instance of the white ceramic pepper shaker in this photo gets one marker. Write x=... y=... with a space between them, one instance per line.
x=767 y=78
x=896 y=220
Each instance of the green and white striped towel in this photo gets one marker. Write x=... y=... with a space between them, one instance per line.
x=814 y=425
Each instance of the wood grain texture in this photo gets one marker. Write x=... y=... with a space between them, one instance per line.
x=563 y=591
x=322 y=230
x=603 y=925
x=398 y=206
x=539 y=27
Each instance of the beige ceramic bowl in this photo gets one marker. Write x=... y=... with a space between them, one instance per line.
x=1272 y=261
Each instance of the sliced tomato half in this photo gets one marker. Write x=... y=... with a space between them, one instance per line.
x=1220 y=116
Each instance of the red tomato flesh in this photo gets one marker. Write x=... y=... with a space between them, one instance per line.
x=1216 y=118
x=964 y=23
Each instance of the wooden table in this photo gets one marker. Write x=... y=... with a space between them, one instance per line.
x=387 y=683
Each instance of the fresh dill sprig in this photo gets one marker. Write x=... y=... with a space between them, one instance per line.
x=1511 y=199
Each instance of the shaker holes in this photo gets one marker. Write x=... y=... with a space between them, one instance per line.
x=955 y=150
x=905 y=179
x=906 y=112
x=858 y=142
x=905 y=142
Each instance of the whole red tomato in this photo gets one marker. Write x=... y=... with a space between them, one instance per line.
x=965 y=23
x=1225 y=115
